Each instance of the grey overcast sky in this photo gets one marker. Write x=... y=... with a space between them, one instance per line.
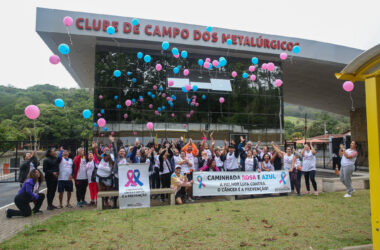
x=24 y=56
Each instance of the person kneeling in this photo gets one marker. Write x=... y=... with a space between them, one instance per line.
x=180 y=184
x=28 y=193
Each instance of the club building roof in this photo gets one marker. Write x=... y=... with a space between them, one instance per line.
x=308 y=76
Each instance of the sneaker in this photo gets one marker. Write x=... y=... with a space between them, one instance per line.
x=50 y=208
x=307 y=192
x=7 y=214
x=316 y=193
x=79 y=204
x=347 y=196
x=92 y=203
x=299 y=194
x=84 y=203
x=38 y=212
x=190 y=200
x=54 y=207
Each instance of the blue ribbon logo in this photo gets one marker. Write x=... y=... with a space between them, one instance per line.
x=283 y=175
x=199 y=178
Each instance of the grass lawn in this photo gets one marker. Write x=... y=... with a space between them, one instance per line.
x=325 y=222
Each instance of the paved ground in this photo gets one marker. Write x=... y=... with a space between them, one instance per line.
x=9 y=227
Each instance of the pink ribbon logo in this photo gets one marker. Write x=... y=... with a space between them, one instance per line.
x=133 y=178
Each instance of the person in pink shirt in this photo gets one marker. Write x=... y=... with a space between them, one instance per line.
x=210 y=166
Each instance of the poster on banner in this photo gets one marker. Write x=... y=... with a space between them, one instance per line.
x=240 y=183
x=134 y=189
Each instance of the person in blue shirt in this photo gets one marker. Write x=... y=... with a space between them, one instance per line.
x=28 y=193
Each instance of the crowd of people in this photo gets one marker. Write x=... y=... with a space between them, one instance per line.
x=171 y=165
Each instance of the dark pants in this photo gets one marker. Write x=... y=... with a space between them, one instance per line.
x=51 y=183
x=294 y=181
x=299 y=176
x=22 y=202
x=155 y=180
x=165 y=182
x=116 y=188
x=311 y=175
x=81 y=188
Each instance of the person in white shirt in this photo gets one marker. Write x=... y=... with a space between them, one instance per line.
x=348 y=166
x=65 y=177
x=92 y=185
x=165 y=169
x=266 y=164
x=80 y=177
x=218 y=154
x=251 y=163
x=186 y=165
x=309 y=167
x=231 y=163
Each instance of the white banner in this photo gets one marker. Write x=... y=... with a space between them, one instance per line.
x=134 y=188
x=240 y=183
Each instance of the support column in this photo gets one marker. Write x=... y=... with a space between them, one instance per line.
x=372 y=89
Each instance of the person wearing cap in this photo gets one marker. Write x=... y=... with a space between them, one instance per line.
x=231 y=162
x=180 y=184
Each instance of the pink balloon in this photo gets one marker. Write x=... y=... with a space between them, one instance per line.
x=101 y=122
x=283 y=56
x=128 y=103
x=184 y=125
x=68 y=21
x=176 y=56
x=158 y=67
x=278 y=82
x=141 y=99
x=194 y=97
x=100 y=97
x=264 y=66
x=32 y=112
x=54 y=59
x=154 y=87
x=253 y=78
x=168 y=98
x=134 y=133
x=171 y=99
x=170 y=83
x=196 y=104
x=191 y=112
x=101 y=134
x=112 y=133
x=187 y=115
x=173 y=115
x=270 y=67
x=251 y=68
x=150 y=106
x=188 y=87
x=208 y=60
x=156 y=112
x=163 y=95
x=149 y=125
x=215 y=63
x=234 y=74
x=186 y=72
x=348 y=86
x=125 y=116
x=206 y=65
x=221 y=100
x=99 y=114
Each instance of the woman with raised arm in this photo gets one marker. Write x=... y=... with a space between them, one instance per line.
x=348 y=166
x=309 y=167
x=91 y=168
x=266 y=164
x=251 y=163
x=166 y=169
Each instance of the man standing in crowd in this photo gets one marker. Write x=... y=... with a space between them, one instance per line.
x=30 y=162
x=51 y=170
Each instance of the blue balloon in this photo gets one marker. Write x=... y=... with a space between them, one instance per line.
x=163 y=107
x=210 y=66
x=149 y=93
x=195 y=88
x=153 y=96
x=117 y=73
x=59 y=103
x=133 y=100
x=161 y=88
x=175 y=51
x=129 y=73
x=86 y=113
x=255 y=60
x=174 y=97
x=184 y=89
x=147 y=58
x=134 y=80
x=203 y=97
x=115 y=97
x=175 y=70
x=105 y=129
x=171 y=104
x=229 y=41
x=296 y=49
x=188 y=99
x=184 y=54
x=140 y=55
x=244 y=75
x=102 y=111
x=118 y=106
x=200 y=62
x=222 y=62
x=140 y=97
x=95 y=124
x=64 y=49
x=165 y=45
x=191 y=104
x=110 y=30
x=135 y=21
x=209 y=29
x=159 y=109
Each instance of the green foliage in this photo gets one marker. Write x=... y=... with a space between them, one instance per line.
x=54 y=123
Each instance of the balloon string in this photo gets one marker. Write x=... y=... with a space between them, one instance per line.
x=68 y=32
x=352 y=103
x=221 y=110
x=68 y=58
x=35 y=136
